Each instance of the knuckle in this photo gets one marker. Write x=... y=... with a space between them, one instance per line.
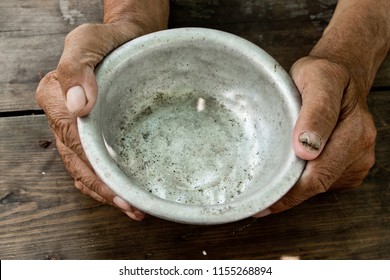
x=78 y=33
x=314 y=67
x=290 y=201
x=81 y=187
x=91 y=189
x=369 y=161
x=366 y=130
x=50 y=77
x=287 y=202
x=68 y=64
x=320 y=181
x=319 y=185
x=345 y=184
x=76 y=41
x=370 y=133
x=45 y=83
x=356 y=182
x=83 y=50
x=67 y=156
x=350 y=180
x=65 y=134
x=356 y=173
x=84 y=36
x=68 y=132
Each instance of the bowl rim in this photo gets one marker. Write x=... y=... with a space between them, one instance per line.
x=91 y=138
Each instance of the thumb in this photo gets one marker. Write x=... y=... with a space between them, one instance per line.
x=84 y=48
x=321 y=84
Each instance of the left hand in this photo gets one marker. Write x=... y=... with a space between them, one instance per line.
x=335 y=131
x=71 y=91
x=64 y=127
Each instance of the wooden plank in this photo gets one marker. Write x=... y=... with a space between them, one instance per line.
x=31 y=42
x=42 y=216
x=32 y=34
x=287 y=30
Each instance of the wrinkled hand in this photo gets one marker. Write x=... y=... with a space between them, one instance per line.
x=71 y=91
x=334 y=131
x=64 y=127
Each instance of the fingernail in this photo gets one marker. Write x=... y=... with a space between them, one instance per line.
x=311 y=141
x=263 y=213
x=122 y=204
x=75 y=99
x=140 y=215
x=134 y=216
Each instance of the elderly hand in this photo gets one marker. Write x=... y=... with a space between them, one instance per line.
x=335 y=131
x=71 y=91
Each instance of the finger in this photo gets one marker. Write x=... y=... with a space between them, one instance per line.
x=89 y=184
x=129 y=210
x=132 y=212
x=49 y=98
x=64 y=126
x=84 y=48
x=320 y=174
x=355 y=174
x=134 y=216
x=49 y=86
x=83 y=175
x=321 y=84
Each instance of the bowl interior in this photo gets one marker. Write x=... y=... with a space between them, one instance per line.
x=197 y=119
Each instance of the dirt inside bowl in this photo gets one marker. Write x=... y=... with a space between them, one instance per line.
x=189 y=148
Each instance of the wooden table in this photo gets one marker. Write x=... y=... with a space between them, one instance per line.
x=43 y=216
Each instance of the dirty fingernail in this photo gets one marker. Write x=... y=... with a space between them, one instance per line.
x=122 y=204
x=75 y=99
x=311 y=141
x=262 y=214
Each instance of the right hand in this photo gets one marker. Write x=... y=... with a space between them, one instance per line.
x=339 y=142
x=71 y=91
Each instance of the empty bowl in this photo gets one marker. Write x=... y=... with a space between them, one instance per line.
x=193 y=125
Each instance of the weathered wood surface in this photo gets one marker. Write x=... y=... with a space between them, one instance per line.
x=43 y=216
x=32 y=34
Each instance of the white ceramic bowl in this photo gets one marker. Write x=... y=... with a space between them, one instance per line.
x=193 y=125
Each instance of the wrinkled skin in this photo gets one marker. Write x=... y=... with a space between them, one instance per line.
x=59 y=95
x=334 y=107
x=339 y=133
x=64 y=127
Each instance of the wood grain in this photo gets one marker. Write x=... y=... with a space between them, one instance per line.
x=32 y=34
x=42 y=216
